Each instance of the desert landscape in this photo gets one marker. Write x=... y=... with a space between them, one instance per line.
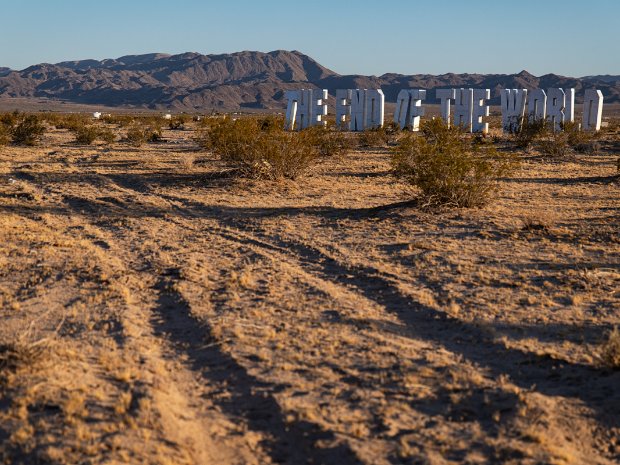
x=159 y=308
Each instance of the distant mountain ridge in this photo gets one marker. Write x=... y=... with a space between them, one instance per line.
x=226 y=82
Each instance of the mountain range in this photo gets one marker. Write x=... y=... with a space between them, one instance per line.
x=243 y=80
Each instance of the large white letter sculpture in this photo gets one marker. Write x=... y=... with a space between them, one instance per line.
x=444 y=96
x=537 y=105
x=569 y=111
x=359 y=109
x=463 y=106
x=374 y=104
x=343 y=109
x=305 y=108
x=592 y=110
x=409 y=108
x=556 y=104
x=513 y=109
x=480 y=110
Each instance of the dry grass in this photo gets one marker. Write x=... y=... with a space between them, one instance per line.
x=610 y=349
x=320 y=320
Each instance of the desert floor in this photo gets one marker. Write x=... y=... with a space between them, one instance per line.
x=156 y=310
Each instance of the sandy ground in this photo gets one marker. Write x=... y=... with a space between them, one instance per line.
x=155 y=310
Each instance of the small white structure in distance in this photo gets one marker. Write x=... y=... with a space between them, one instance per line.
x=513 y=109
x=592 y=110
x=167 y=116
x=97 y=115
x=409 y=108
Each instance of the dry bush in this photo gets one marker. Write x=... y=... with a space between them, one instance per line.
x=178 y=122
x=259 y=148
x=27 y=131
x=5 y=134
x=119 y=120
x=71 y=121
x=610 y=349
x=86 y=135
x=329 y=142
x=554 y=144
x=529 y=131
x=379 y=137
x=449 y=167
x=187 y=161
x=142 y=132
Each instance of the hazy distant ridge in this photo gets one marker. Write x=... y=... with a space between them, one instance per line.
x=191 y=81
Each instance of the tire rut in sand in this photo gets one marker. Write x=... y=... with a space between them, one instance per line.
x=549 y=376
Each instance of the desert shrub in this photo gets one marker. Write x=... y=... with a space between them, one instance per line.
x=581 y=141
x=86 y=135
x=106 y=135
x=257 y=150
x=610 y=349
x=328 y=142
x=120 y=120
x=378 y=137
x=138 y=134
x=449 y=167
x=530 y=130
x=178 y=122
x=554 y=144
x=5 y=134
x=10 y=120
x=71 y=121
x=27 y=131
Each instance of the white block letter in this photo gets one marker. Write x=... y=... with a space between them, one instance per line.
x=445 y=95
x=556 y=103
x=537 y=105
x=375 y=108
x=343 y=109
x=318 y=108
x=463 y=106
x=592 y=110
x=409 y=108
x=358 y=109
x=513 y=109
x=293 y=97
x=480 y=110
x=569 y=111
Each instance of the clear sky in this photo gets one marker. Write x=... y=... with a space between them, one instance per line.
x=568 y=37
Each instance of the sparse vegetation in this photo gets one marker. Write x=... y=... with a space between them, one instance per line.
x=142 y=132
x=530 y=130
x=449 y=167
x=610 y=349
x=28 y=130
x=179 y=122
x=259 y=148
x=87 y=134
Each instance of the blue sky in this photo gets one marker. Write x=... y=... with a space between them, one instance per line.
x=477 y=36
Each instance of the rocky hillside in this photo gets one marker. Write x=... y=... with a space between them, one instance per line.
x=195 y=82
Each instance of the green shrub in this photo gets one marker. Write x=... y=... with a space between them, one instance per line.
x=27 y=131
x=71 y=121
x=122 y=121
x=106 y=135
x=258 y=150
x=554 y=144
x=449 y=167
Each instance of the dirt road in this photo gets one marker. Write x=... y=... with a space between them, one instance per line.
x=156 y=310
